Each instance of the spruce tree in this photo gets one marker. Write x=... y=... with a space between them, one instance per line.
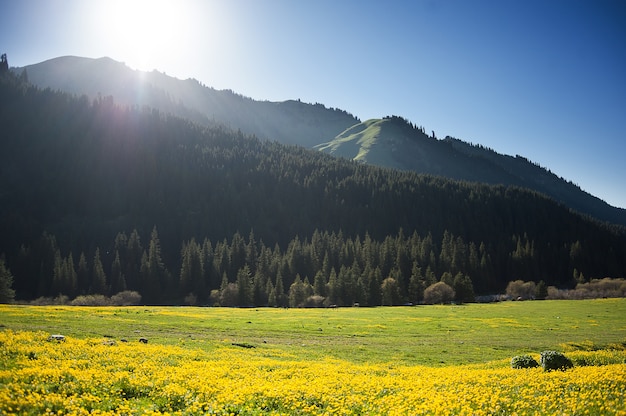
x=7 y=294
x=82 y=274
x=98 y=278
x=118 y=282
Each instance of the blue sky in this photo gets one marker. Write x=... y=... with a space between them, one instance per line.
x=543 y=79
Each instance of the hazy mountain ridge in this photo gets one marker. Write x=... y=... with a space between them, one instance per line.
x=291 y=122
x=390 y=142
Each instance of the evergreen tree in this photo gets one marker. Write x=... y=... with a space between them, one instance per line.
x=244 y=285
x=132 y=261
x=82 y=274
x=192 y=277
x=71 y=279
x=299 y=291
x=7 y=294
x=98 y=278
x=118 y=282
x=271 y=294
x=279 y=289
x=334 y=290
x=541 y=290
x=416 y=284
x=463 y=288
x=259 y=288
x=156 y=276
x=319 y=284
x=58 y=275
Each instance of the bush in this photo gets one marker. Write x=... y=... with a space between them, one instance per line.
x=438 y=293
x=43 y=301
x=91 y=300
x=315 y=301
x=524 y=361
x=553 y=360
x=126 y=298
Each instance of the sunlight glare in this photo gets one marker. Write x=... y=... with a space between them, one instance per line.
x=144 y=30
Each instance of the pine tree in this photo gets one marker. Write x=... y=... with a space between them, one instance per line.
x=281 y=298
x=463 y=288
x=244 y=286
x=98 y=278
x=416 y=284
x=192 y=271
x=82 y=274
x=157 y=277
x=319 y=284
x=7 y=294
x=69 y=277
x=131 y=261
x=118 y=282
x=334 y=290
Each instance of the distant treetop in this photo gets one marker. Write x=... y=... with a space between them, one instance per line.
x=4 y=64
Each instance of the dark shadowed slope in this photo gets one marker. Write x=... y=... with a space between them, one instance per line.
x=389 y=142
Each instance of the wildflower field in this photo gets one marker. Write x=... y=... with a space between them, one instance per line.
x=416 y=360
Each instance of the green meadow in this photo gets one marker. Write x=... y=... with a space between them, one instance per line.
x=439 y=335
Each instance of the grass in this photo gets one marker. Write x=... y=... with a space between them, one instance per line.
x=424 y=335
x=435 y=360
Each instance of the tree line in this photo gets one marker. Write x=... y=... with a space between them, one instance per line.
x=73 y=172
x=325 y=269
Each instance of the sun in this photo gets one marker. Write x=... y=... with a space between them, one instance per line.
x=142 y=32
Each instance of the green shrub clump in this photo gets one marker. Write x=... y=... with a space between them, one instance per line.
x=524 y=361
x=553 y=360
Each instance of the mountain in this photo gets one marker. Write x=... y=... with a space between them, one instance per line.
x=96 y=197
x=390 y=142
x=396 y=143
x=291 y=122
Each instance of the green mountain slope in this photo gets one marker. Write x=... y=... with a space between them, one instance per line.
x=395 y=143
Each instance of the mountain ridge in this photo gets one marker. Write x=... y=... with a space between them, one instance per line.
x=290 y=121
x=390 y=142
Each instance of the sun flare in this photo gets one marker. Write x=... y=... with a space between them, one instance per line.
x=143 y=30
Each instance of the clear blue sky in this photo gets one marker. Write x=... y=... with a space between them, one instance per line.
x=543 y=79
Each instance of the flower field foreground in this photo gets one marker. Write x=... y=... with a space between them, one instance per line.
x=93 y=376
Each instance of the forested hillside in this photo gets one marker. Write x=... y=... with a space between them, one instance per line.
x=97 y=198
x=291 y=122
x=389 y=142
x=395 y=142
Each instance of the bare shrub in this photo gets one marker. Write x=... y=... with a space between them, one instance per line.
x=43 y=301
x=521 y=290
x=314 y=301
x=91 y=300
x=596 y=288
x=229 y=296
x=190 y=300
x=126 y=298
x=438 y=293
